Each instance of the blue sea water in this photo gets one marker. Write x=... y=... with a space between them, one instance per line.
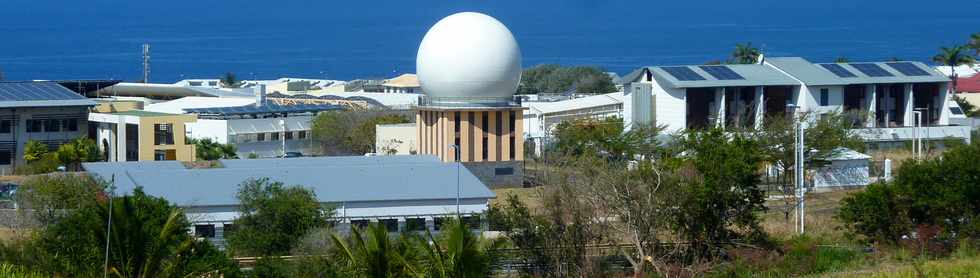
x=97 y=39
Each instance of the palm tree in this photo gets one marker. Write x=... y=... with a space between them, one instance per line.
x=230 y=81
x=952 y=57
x=842 y=59
x=377 y=255
x=457 y=252
x=745 y=53
x=975 y=43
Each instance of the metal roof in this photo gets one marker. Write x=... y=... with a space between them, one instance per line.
x=753 y=75
x=333 y=179
x=548 y=107
x=816 y=75
x=268 y=108
x=39 y=94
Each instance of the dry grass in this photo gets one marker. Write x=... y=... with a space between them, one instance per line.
x=820 y=211
x=949 y=267
x=530 y=196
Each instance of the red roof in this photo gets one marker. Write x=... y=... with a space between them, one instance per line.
x=968 y=84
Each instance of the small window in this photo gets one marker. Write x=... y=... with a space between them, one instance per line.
x=301 y=134
x=260 y=137
x=206 y=231
x=472 y=222
x=414 y=224
x=227 y=230
x=289 y=135
x=360 y=224
x=824 y=97
x=5 y=126
x=35 y=125
x=163 y=134
x=503 y=171
x=5 y=157
x=52 y=126
x=70 y=124
x=956 y=110
x=274 y=135
x=437 y=223
x=390 y=225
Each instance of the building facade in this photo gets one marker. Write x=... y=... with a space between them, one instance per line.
x=41 y=111
x=142 y=135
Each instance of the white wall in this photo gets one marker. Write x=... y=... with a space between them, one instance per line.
x=215 y=129
x=671 y=108
x=398 y=137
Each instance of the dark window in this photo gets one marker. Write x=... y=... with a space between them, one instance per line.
x=227 y=230
x=35 y=125
x=275 y=136
x=204 y=230
x=486 y=150
x=289 y=135
x=437 y=223
x=5 y=157
x=301 y=134
x=163 y=134
x=70 y=124
x=472 y=222
x=390 y=224
x=486 y=124
x=52 y=126
x=824 y=97
x=499 y=121
x=956 y=110
x=456 y=121
x=512 y=148
x=513 y=121
x=503 y=171
x=159 y=155
x=360 y=224
x=5 y=126
x=260 y=137
x=414 y=224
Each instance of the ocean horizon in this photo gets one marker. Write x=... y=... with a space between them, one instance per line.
x=101 y=39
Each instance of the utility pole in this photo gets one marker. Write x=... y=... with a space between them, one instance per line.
x=799 y=157
x=146 y=63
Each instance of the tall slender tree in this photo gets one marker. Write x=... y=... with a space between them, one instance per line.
x=745 y=53
x=975 y=43
x=953 y=56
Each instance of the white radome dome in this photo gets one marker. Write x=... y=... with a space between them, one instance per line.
x=469 y=56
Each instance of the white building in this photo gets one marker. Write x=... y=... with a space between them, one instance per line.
x=404 y=193
x=884 y=95
x=403 y=84
x=396 y=139
x=541 y=117
x=842 y=167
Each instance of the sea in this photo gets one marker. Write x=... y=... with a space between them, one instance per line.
x=102 y=39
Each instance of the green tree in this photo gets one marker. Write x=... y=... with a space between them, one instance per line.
x=51 y=196
x=207 y=149
x=148 y=238
x=376 y=254
x=745 y=53
x=842 y=59
x=554 y=79
x=876 y=213
x=953 y=56
x=80 y=150
x=457 y=252
x=975 y=43
x=968 y=108
x=34 y=150
x=727 y=167
x=230 y=81
x=274 y=217
x=350 y=132
x=605 y=137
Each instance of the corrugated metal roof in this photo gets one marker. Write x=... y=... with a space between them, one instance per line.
x=267 y=108
x=39 y=94
x=754 y=75
x=842 y=153
x=575 y=103
x=333 y=179
x=815 y=75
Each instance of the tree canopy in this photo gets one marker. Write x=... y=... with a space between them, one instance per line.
x=555 y=79
x=351 y=132
x=207 y=149
x=274 y=217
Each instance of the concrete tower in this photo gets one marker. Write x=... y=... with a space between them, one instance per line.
x=469 y=66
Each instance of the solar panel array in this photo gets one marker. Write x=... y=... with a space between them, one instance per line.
x=683 y=73
x=35 y=91
x=838 y=70
x=722 y=73
x=908 y=69
x=872 y=70
x=264 y=109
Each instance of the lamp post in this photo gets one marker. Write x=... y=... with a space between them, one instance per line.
x=282 y=123
x=456 y=153
x=917 y=143
x=798 y=157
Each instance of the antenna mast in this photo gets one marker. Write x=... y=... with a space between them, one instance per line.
x=146 y=63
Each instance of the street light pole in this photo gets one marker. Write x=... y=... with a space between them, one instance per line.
x=456 y=152
x=799 y=159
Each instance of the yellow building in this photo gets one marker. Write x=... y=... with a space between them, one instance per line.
x=142 y=135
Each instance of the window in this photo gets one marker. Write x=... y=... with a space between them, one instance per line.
x=512 y=148
x=260 y=137
x=437 y=223
x=503 y=171
x=824 y=97
x=227 y=230
x=274 y=136
x=206 y=231
x=5 y=157
x=52 y=126
x=35 y=125
x=163 y=134
x=289 y=135
x=70 y=124
x=956 y=110
x=5 y=126
x=301 y=134
x=414 y=224
x=472 y=222
x=390 y=224
x=360 y=224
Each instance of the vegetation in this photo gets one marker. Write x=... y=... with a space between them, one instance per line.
x=80 y=150
x=842 y=59
x=230 y=81
x=51 y=196
x=745 y=53
x=953 y=56
x=40 y=159
x=207 y=149
x=605 y=137
x=968 y=108
x=274 y=217
x=555 y=79
x=351 y=132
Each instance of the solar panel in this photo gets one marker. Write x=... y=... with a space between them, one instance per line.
x=838 y=70
x=872 y=70
x=29 y=91
x=683 y=73
x=907 y=69
x=722 y=73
